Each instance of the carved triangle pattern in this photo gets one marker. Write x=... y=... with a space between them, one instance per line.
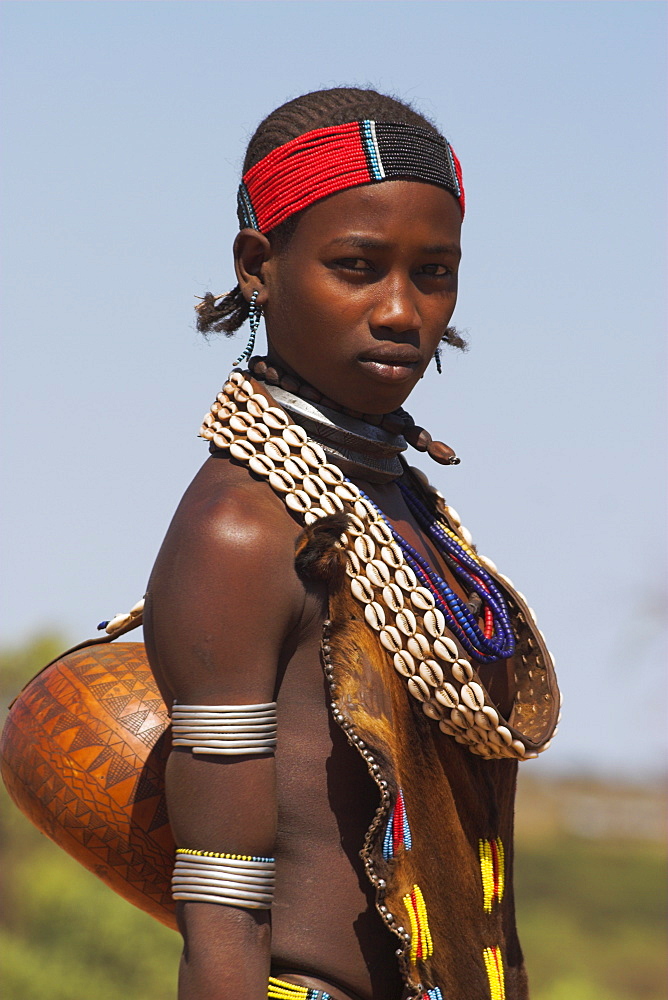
x=93 y=778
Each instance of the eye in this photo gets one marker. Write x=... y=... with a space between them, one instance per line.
x=354 y=264
x=436 y=270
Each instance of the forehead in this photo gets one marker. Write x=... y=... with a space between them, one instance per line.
x=397 y=211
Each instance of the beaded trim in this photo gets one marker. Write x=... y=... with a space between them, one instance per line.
x=397 y=831
x=280 y=990
x=227 y=730
x=421 y=943
x=227 y=879
x=492 y=872
x=242 y=422
x=326 y=160
x=494 y=966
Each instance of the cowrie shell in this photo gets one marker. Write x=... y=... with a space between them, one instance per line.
x=208 y=420
x=241 y=395
x=282 y=481
x=223 y=399
x=236 y=378
x=418 y=646
x=223 y=439
x=275 y=418
x=381 y=533
x=473 y=696
x=298 y=500
x=294 y=435
x=467 y=714
x=406 y=578
x=481 y=721
x=491 y=715
x=242 y=450
x=256 y=405
x=446 y=649
x=216 y=426
x=406 y=621
x=332 y=475
x=434 y=622
x=262 y=465
x=227 y=411
x=505 y=734
x=365 y=509
x=313 y=454
x=314 y=486
x=240 y=422
x=378 y=572
x=465 y=534
x=404 y=663
x=462 y=671
x=453 y=515
x=431 y=673
x=205 y=432
x=488 y=564
x=447 y=695
x=391 y=639
x=447 y=728
x=317 y=513
x=458 y=719
x=310 y=517
x=277 y=448
x=432 y=711
x=353 y=564
x=375 y=615
x=364 y=547
x=297 y=467
x=330 y=503
x=355 y=526
x=393 y=597
x=519 y=747
x=418 y=688
x=362 y=589
x=392 y=555
x=422 y=598
x=258 y=434
x=247 y=387
x=346 y=491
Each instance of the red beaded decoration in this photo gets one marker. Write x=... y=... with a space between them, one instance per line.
x=331 y=159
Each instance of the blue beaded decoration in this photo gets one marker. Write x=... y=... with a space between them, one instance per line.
x=462 y=621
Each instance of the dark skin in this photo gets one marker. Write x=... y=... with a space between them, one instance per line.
x=356 y=304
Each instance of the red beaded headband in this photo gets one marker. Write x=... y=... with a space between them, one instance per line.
x=327 y=160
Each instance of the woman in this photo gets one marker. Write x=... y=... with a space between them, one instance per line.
x=346 y=832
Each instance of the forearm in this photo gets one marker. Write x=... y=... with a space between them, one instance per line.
x=226 y=954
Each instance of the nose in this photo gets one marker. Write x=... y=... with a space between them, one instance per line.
x=395 y=310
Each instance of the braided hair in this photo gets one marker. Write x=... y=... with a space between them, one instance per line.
x=319 y=109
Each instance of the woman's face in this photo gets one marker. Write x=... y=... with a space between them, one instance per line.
x=358 y=301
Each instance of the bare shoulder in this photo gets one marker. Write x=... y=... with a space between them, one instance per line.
x=223 y=589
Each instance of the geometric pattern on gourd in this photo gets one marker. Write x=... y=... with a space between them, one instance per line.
x=402 y=613
x=72 y=762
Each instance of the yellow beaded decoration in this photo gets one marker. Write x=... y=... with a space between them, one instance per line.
x=226 y=857
x=494 y=966
x=492 y=871
x=279 y=990
x=422 y=945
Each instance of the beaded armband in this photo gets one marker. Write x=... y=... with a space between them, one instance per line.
x=228 y=879
x=230 y=730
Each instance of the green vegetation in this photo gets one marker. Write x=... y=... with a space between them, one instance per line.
x=591 y=911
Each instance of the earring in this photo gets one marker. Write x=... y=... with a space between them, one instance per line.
x=437 y=359
x=254 y=316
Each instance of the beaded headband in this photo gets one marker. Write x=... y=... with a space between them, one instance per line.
x=327 y=160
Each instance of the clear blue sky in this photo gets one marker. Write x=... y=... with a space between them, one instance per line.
x=124 y=129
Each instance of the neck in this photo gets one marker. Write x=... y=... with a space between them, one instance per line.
x=396 y=428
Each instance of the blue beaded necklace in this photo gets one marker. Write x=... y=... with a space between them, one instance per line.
x=496 y=641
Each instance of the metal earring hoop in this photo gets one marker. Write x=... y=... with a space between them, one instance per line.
x=437 y=359
x=254 y=316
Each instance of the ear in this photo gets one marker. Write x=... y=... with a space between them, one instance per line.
x=251 y=250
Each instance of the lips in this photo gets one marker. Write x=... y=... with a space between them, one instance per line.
x=391 y=362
